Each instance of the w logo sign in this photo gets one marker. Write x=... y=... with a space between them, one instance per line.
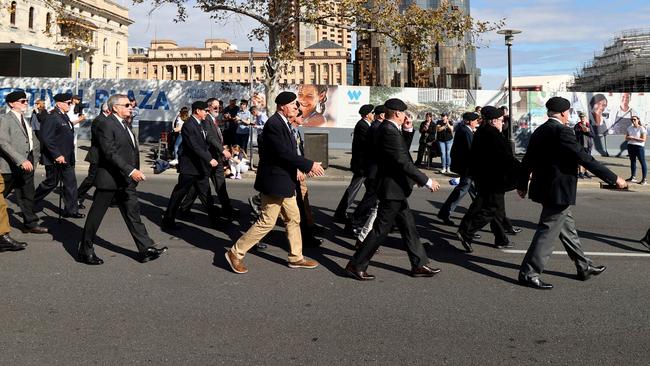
x=354 y=95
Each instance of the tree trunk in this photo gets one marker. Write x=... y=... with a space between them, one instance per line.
x=272 y=68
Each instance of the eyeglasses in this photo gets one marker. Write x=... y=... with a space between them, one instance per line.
x=125 y=105
x=68 y=102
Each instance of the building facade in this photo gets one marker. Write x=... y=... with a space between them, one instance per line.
x=623 y=66
x=323 y=63
x=453 y=66
x=94 y=33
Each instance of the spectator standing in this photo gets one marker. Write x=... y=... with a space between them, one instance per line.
x=244 y=120
x=635 y=137
x=585 y=137
x=445 y=138
x=135 y=118
x=424 y=134
x=183 y=116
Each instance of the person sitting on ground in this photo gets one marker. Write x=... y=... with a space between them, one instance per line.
x=238 y=162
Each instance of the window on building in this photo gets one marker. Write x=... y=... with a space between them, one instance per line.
x=293 y=69
x=325 y=53
x=48 y=22
x=230 y=70
x=137 y=71
x=223 y=70
x=144 y=71
x=338 y=68
x=302 y=69
x=105 y=71
x=117 y=71
x=12 y=13
x=254 y=69
x=30 y=23
x=117 y=49
x=246 y=69
x=238 y=70
x=105 y=47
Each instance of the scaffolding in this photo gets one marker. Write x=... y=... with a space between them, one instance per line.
x=623 y=66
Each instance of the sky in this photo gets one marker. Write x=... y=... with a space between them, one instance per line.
x=557 y=37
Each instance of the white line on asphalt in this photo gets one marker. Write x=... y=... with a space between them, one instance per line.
x=605 y=254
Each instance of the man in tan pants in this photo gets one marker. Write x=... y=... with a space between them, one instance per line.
x=6 y=242
x=276 y=180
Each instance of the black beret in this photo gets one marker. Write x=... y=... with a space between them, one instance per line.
x=444 y=114
x=285 y=98
x=380 y=109
x=63 y=97
x=558 y=104
x=489 y=112
x=199 y=104
x=365 y=109
x=470 y=116
x=15 y=96
x=395 y=105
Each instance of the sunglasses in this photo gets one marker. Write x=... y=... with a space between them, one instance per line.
x=22 y=101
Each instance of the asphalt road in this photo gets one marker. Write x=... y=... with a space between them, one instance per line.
x=188 y=308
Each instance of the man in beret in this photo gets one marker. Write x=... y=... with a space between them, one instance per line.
x=276 y=180
x=19 y=149
x=396 y=175
x=57 y=135
x=195 y=164
x=493 y=169
x=460 y=161
x=551 y=162
x=118 y=174
x=356 y=164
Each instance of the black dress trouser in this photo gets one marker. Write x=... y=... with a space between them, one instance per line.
x=486 y=208
x=88 y=183
x=201 y=186
x=219 y=181
x=388 y=213
x=127 y=201
x=22 y=184
x=54 y=173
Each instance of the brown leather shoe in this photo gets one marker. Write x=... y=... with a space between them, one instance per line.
x=36 y=230
x=424 y=271
x=236 y=264
x=304 y=263
x=353 y=272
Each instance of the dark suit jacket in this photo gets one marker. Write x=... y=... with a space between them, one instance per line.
x=357 y=163
x=195 y=158
x=57 y=136
x=396 y=173
x=93 y=155
x=492 y=166
x=371 y=147
x=118 y=155
x=279 y=163
x=215 y=140
x=553 y=156
x=460 y=150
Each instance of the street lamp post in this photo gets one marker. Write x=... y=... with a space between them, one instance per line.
x=509 y=36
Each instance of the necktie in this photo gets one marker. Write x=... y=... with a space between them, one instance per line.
x=23 y=125
x=129 y=132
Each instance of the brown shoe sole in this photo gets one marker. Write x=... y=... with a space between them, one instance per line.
x=232 y=266
x=296 y=265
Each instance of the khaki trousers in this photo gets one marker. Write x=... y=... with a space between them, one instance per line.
x=272 y=207
x=305 y=199
x=4 y=217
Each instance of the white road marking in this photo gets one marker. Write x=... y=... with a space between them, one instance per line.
x=604 y=254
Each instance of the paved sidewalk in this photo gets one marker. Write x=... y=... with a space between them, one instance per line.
x=339 y=167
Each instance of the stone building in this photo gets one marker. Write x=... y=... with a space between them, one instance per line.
x=94 y=32
x=322 y=63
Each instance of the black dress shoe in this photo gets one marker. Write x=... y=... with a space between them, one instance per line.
x=313 y=241
x=535 y=283
x=8 y=244
x=151 y=253
x=424 y=271
x=466 y=243
x=76 y=215
x=507 y=245
x=80 y=205
x=513 y=231
x=35 y=230
x=591 y=271
x=353 y=272
x=91 y=260
x=645 y=242
x=446 y=220
x=260 y=246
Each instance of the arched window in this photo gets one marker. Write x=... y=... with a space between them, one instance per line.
x=12 y=13
x=48 y=22
x=105 y=46
x=117 y=49
x=31 y=18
